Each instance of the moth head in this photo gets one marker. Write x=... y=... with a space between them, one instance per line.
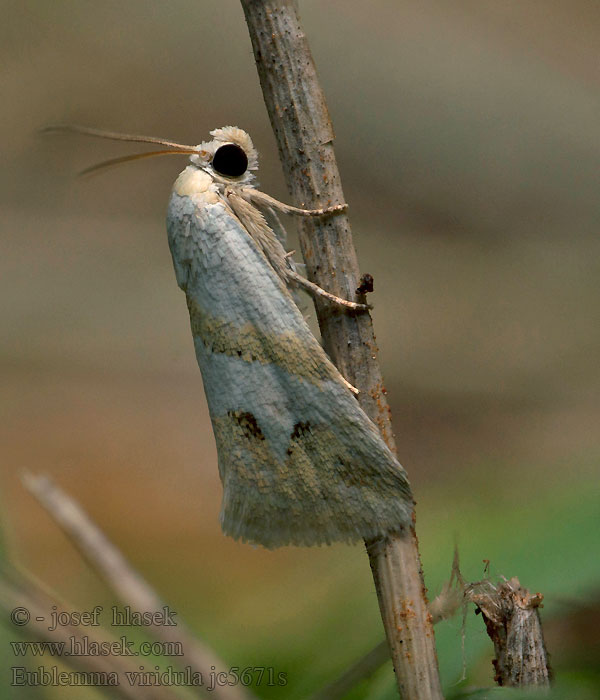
x=229 y=157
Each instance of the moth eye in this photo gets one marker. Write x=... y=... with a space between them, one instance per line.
x=230 y=160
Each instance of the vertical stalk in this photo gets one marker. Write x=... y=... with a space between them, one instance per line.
x=300 y=120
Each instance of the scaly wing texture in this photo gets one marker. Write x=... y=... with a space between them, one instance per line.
x=299 y=460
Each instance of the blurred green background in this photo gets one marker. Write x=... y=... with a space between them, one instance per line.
x=468 y=140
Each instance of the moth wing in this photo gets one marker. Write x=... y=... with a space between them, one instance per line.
x=299 y=460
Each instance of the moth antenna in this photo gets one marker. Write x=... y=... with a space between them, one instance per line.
x=126 y=159
x=116 y=136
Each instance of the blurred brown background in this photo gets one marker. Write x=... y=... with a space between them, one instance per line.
x=468 y=137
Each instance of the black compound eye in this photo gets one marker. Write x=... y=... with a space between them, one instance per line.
x=230 y=160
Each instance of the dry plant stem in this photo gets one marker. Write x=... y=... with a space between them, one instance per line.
x=363 y=668
x=444 y=606
x=298 y=113
x=127 y=583
x=512 y=620
x=17 y=591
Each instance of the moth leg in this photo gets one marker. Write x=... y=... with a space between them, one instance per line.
x=352 y=388
x=317 y=291
x=260 y=198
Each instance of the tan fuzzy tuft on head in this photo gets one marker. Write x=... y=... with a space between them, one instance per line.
x=233 y=134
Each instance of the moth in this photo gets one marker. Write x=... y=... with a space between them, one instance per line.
x=299 y=460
